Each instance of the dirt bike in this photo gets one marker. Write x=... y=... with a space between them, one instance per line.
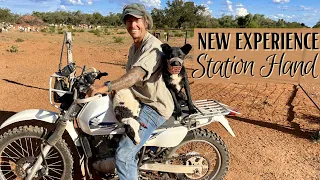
x=80 y=141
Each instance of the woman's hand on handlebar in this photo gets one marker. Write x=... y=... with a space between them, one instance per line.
x=94 y=89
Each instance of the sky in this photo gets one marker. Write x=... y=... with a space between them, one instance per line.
x=306 y=11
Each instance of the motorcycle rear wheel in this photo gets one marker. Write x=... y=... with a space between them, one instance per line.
x=19 y=148
x=204 y=148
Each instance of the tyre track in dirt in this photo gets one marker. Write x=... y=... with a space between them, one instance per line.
x=245 y=97
x=233 y=98
x=266 y=102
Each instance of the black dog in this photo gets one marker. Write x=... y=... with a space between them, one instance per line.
x=174 y=56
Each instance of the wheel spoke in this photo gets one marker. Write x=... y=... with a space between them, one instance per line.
x=48 y=177
x=13 y=158
x=27 y=146
x=23 y=150
x=55 y=163
x=7 y=172
x=11 y=176
x=50 y=155
x=55 y=157
x=16 y=150
x=55 y=171
x=52 y=177
x=49 y=152
x=54 y=166
x=21 y=146
x=12 y=152
x=31 y=147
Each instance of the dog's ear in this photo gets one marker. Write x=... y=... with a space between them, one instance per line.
x=186 y=48
x=166 y=49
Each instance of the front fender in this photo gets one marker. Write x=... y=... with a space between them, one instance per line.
x=42 y=115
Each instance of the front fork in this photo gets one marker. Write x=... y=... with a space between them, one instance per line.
x=53 y=139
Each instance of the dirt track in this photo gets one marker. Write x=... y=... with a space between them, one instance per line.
x=272 y=133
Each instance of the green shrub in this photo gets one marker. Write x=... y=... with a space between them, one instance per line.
x=19 y=40
x=43 y=30
x=190 y=34
x=122 y=32
x=80 y=30
x=106 y=31
x=96 y=32
x=52 y=29
x=118 y=39
x=13 y=48
x=178 y=34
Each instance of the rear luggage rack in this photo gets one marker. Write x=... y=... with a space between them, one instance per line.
x=207 y=111
x=209 y=108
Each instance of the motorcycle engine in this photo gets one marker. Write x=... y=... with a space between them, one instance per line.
x=105 y=148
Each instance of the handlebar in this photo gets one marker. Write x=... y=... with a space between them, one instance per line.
x=84 y=83
x=101 y=75
x=75 y=87
x=92 y=76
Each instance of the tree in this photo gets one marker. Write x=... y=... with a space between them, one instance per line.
x=317 y=25
x=7 y=16
x=173 y=13
x=158 y=18
x=77 y=17
x=227 y=21
x=115 y=19
x=97 y=18
x=281 y=23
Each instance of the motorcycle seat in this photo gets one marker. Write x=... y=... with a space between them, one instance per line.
x=173 y=122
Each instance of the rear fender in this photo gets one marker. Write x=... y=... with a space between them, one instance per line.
x=225 y=123
x=41 y=115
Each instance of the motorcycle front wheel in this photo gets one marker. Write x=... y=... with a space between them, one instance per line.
x=205 y=149
x=19 y=148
